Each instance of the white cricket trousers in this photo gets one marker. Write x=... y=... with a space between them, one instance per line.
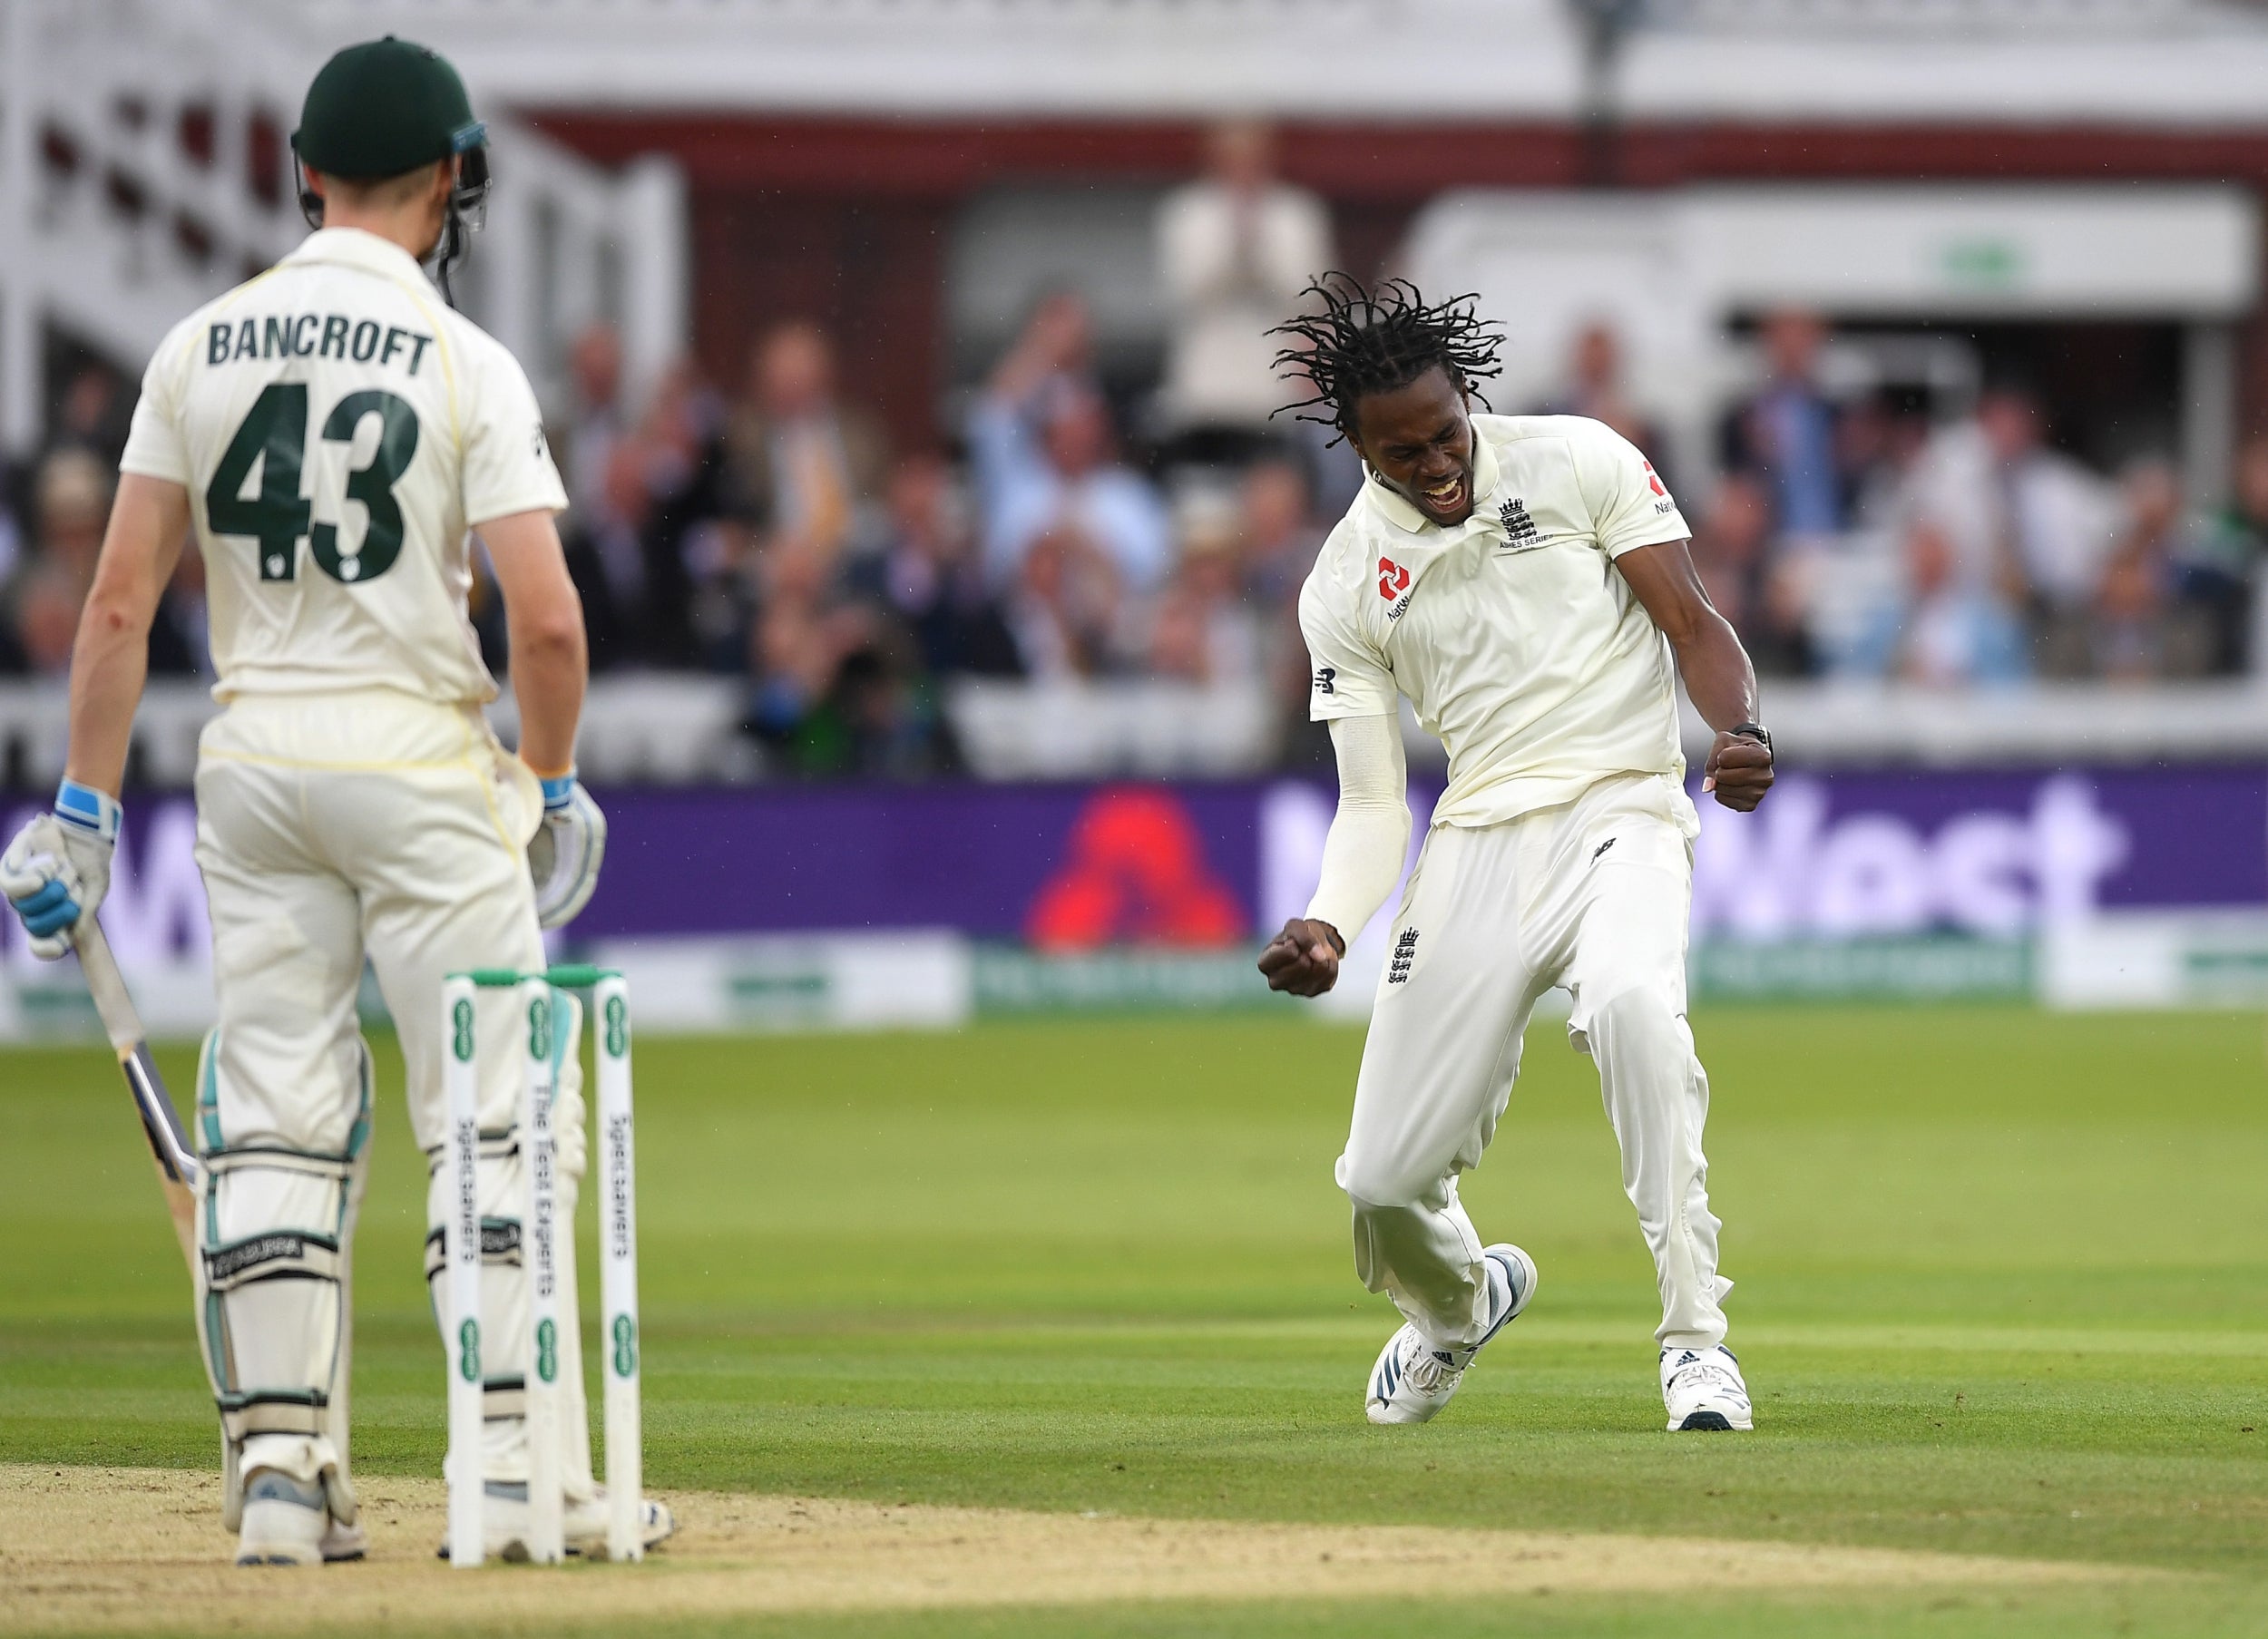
x=1591 y=895
x=330 y=828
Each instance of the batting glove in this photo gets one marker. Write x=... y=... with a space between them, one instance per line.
x=565 y=854
x=58 y=868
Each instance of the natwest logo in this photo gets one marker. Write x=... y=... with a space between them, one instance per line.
x=1392 y=580
x=1653 y=478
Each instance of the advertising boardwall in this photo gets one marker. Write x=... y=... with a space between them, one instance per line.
x=1904 y=883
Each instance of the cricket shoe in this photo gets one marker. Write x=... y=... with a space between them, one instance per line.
x=289 y=1522
x=1703 y=1390
x=504 y=1522
x=1412 y=1380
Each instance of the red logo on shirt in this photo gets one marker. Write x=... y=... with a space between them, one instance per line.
x=1392 y=580
x=1651 y=479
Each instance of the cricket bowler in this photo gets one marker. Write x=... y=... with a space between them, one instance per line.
x=1526 y=583
x=331 y=431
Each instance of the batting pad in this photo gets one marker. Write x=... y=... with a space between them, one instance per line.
x=274 y=1281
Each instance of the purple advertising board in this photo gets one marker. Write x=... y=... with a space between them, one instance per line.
x=1831 y=855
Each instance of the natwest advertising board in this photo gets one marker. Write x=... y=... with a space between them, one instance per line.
x=1829 y=855
x=1980 y=865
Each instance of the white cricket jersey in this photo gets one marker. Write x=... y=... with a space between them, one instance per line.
x=1513 y=634
x=340 y=429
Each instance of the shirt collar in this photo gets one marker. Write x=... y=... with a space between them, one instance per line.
x=357 y=248
x=1394 y=510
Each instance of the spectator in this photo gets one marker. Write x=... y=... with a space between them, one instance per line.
x=800 y=463
x=1234 y=250
x=1203 y=630
x=600 y=421
x=1279 y=538
x=607 y=553
x=1041 y=443
x=2030 y=522
x=1067 y=608
x=1786 y=434
x=47 y=619
x=71 y=505
x=1752 y=586
x=836 y=686
x=179 y=637
x=1595 y=389
x=2158 y=607
x=93 y=416
x=644 y=550
x=2225 y=573
x=927 y=575
x=1955 y=631
x=1879 y=439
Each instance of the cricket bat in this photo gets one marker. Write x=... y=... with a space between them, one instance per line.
x=177 y=1165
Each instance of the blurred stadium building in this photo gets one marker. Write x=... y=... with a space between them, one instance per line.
x=903 y=357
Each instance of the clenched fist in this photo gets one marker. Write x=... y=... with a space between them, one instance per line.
x=1303 y=959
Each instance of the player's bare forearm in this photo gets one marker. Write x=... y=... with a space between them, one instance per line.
x=110 y=658
x=1714 y=667
x=550 y=658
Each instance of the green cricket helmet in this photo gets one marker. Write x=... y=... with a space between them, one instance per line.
x=385 y=107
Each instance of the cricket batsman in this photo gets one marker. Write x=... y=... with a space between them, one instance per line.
x=331 y=431
x=1526 y=582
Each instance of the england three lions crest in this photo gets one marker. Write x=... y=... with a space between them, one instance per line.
x=1521 y=534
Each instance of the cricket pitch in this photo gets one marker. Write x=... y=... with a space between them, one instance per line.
x=119 y=1551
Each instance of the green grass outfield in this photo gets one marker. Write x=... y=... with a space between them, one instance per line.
x=2003 y=1288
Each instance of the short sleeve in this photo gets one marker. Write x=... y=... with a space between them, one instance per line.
x=154 y=446
x=1347 y=677
x=508 y=464
x=1630 y=506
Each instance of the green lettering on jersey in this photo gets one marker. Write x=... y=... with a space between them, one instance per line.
x=275 y=340
x=248 y=339
x=333 y=336
x=418 y=356
x=395 y=338
x=373 y=485
x=303 y=335
x=364 y=349
x=217 y=343
x=274 y=434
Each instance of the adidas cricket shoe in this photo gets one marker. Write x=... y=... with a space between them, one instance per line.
x=1412 y=1380
x=504 y=1522
x=286 y=1521
x=1703 y=1390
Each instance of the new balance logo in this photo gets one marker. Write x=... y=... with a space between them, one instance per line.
x=1326 y=679
x=1599 y=852
x=1404 y=953
x=1519 y=529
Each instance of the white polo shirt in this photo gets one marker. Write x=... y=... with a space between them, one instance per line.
x=1513 y=635
x=340 y=429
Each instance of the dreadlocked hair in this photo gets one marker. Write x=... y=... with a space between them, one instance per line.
x=1368 y=341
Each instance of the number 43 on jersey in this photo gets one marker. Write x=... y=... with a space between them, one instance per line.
x=278 y=516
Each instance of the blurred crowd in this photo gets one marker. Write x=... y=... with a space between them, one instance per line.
x=775 y=535
x=1863 y=537
x=767 y=528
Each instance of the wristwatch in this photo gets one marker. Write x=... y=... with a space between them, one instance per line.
x=1755 y=731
